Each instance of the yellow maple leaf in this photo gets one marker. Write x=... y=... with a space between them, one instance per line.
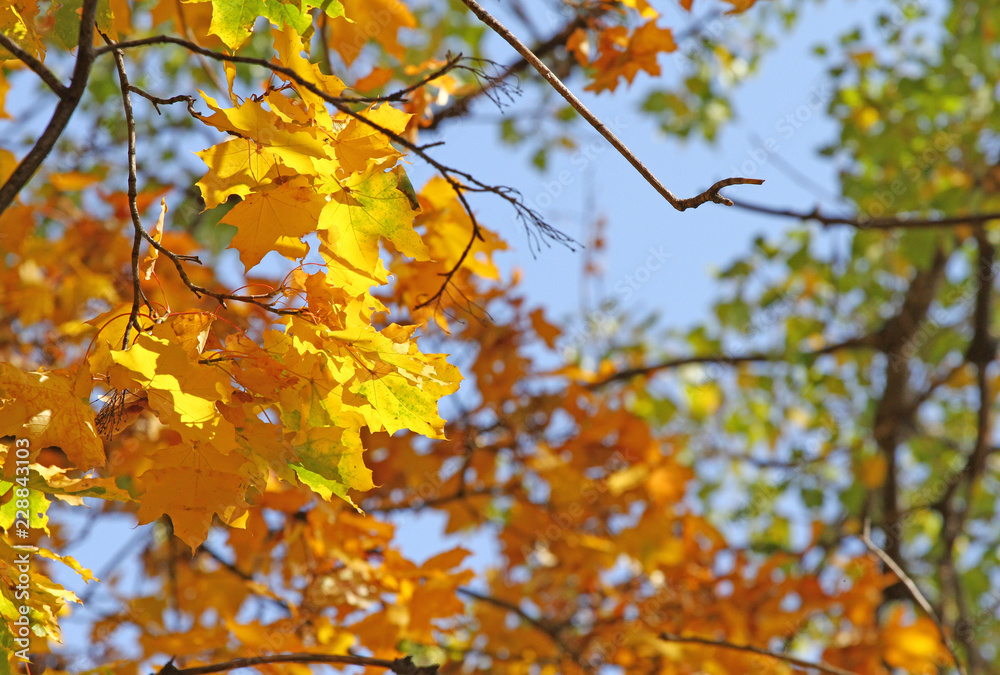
x=289 y=46
x=399 y=388
x=360 y=147
x=366 y=211
x=294 y=146
x=182 y=391
x=50 y=409
x=191 y=483
x=236 y=167
x=274 y=220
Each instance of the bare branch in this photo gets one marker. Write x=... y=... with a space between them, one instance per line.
x=460 y=494
x=552 y=630
x=864 y=223
x=157 y=101
x=133 y=193
x=725 y=360
x=709 y=195
x=403 y=666
x=790 y=660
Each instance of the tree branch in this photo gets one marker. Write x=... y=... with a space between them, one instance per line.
x=725 y=360
x=68 y=101
x=403 y=666
x=709 y=195
x=552 y=630
x=430 y=502
x=863 y=223
x=133 y=192
x=39 y=68
x=791 y=660
x=140 y=232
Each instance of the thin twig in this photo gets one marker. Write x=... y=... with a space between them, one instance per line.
x=232 y=568
x=133 y=192
x=324 y=39
x=980 y=353
x=709 y=195
x=39 y=68
x=68 y=101
x=460 y=105
x=864 y=223
x=186 y=29
x=914 y=590
x=157 y=101
x=288 y=73
x=790 y=660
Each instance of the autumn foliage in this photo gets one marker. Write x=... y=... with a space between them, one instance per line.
x=262 y=423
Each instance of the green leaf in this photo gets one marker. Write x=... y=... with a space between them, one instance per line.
x=232 y=20
x=332 y=8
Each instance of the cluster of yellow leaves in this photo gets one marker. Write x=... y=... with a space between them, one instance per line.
x=324 y=369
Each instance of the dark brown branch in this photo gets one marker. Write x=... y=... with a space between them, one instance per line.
x=403 y=666
x=710 y=195
x=980 y=353
x=452 y=62
x=68 y=101
x=790 y=660
x=140 y=232
x=232 y=568
x=39 y=68
x=256 y=299
x=863 y=223
x=894 y=409
x=324 y=41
